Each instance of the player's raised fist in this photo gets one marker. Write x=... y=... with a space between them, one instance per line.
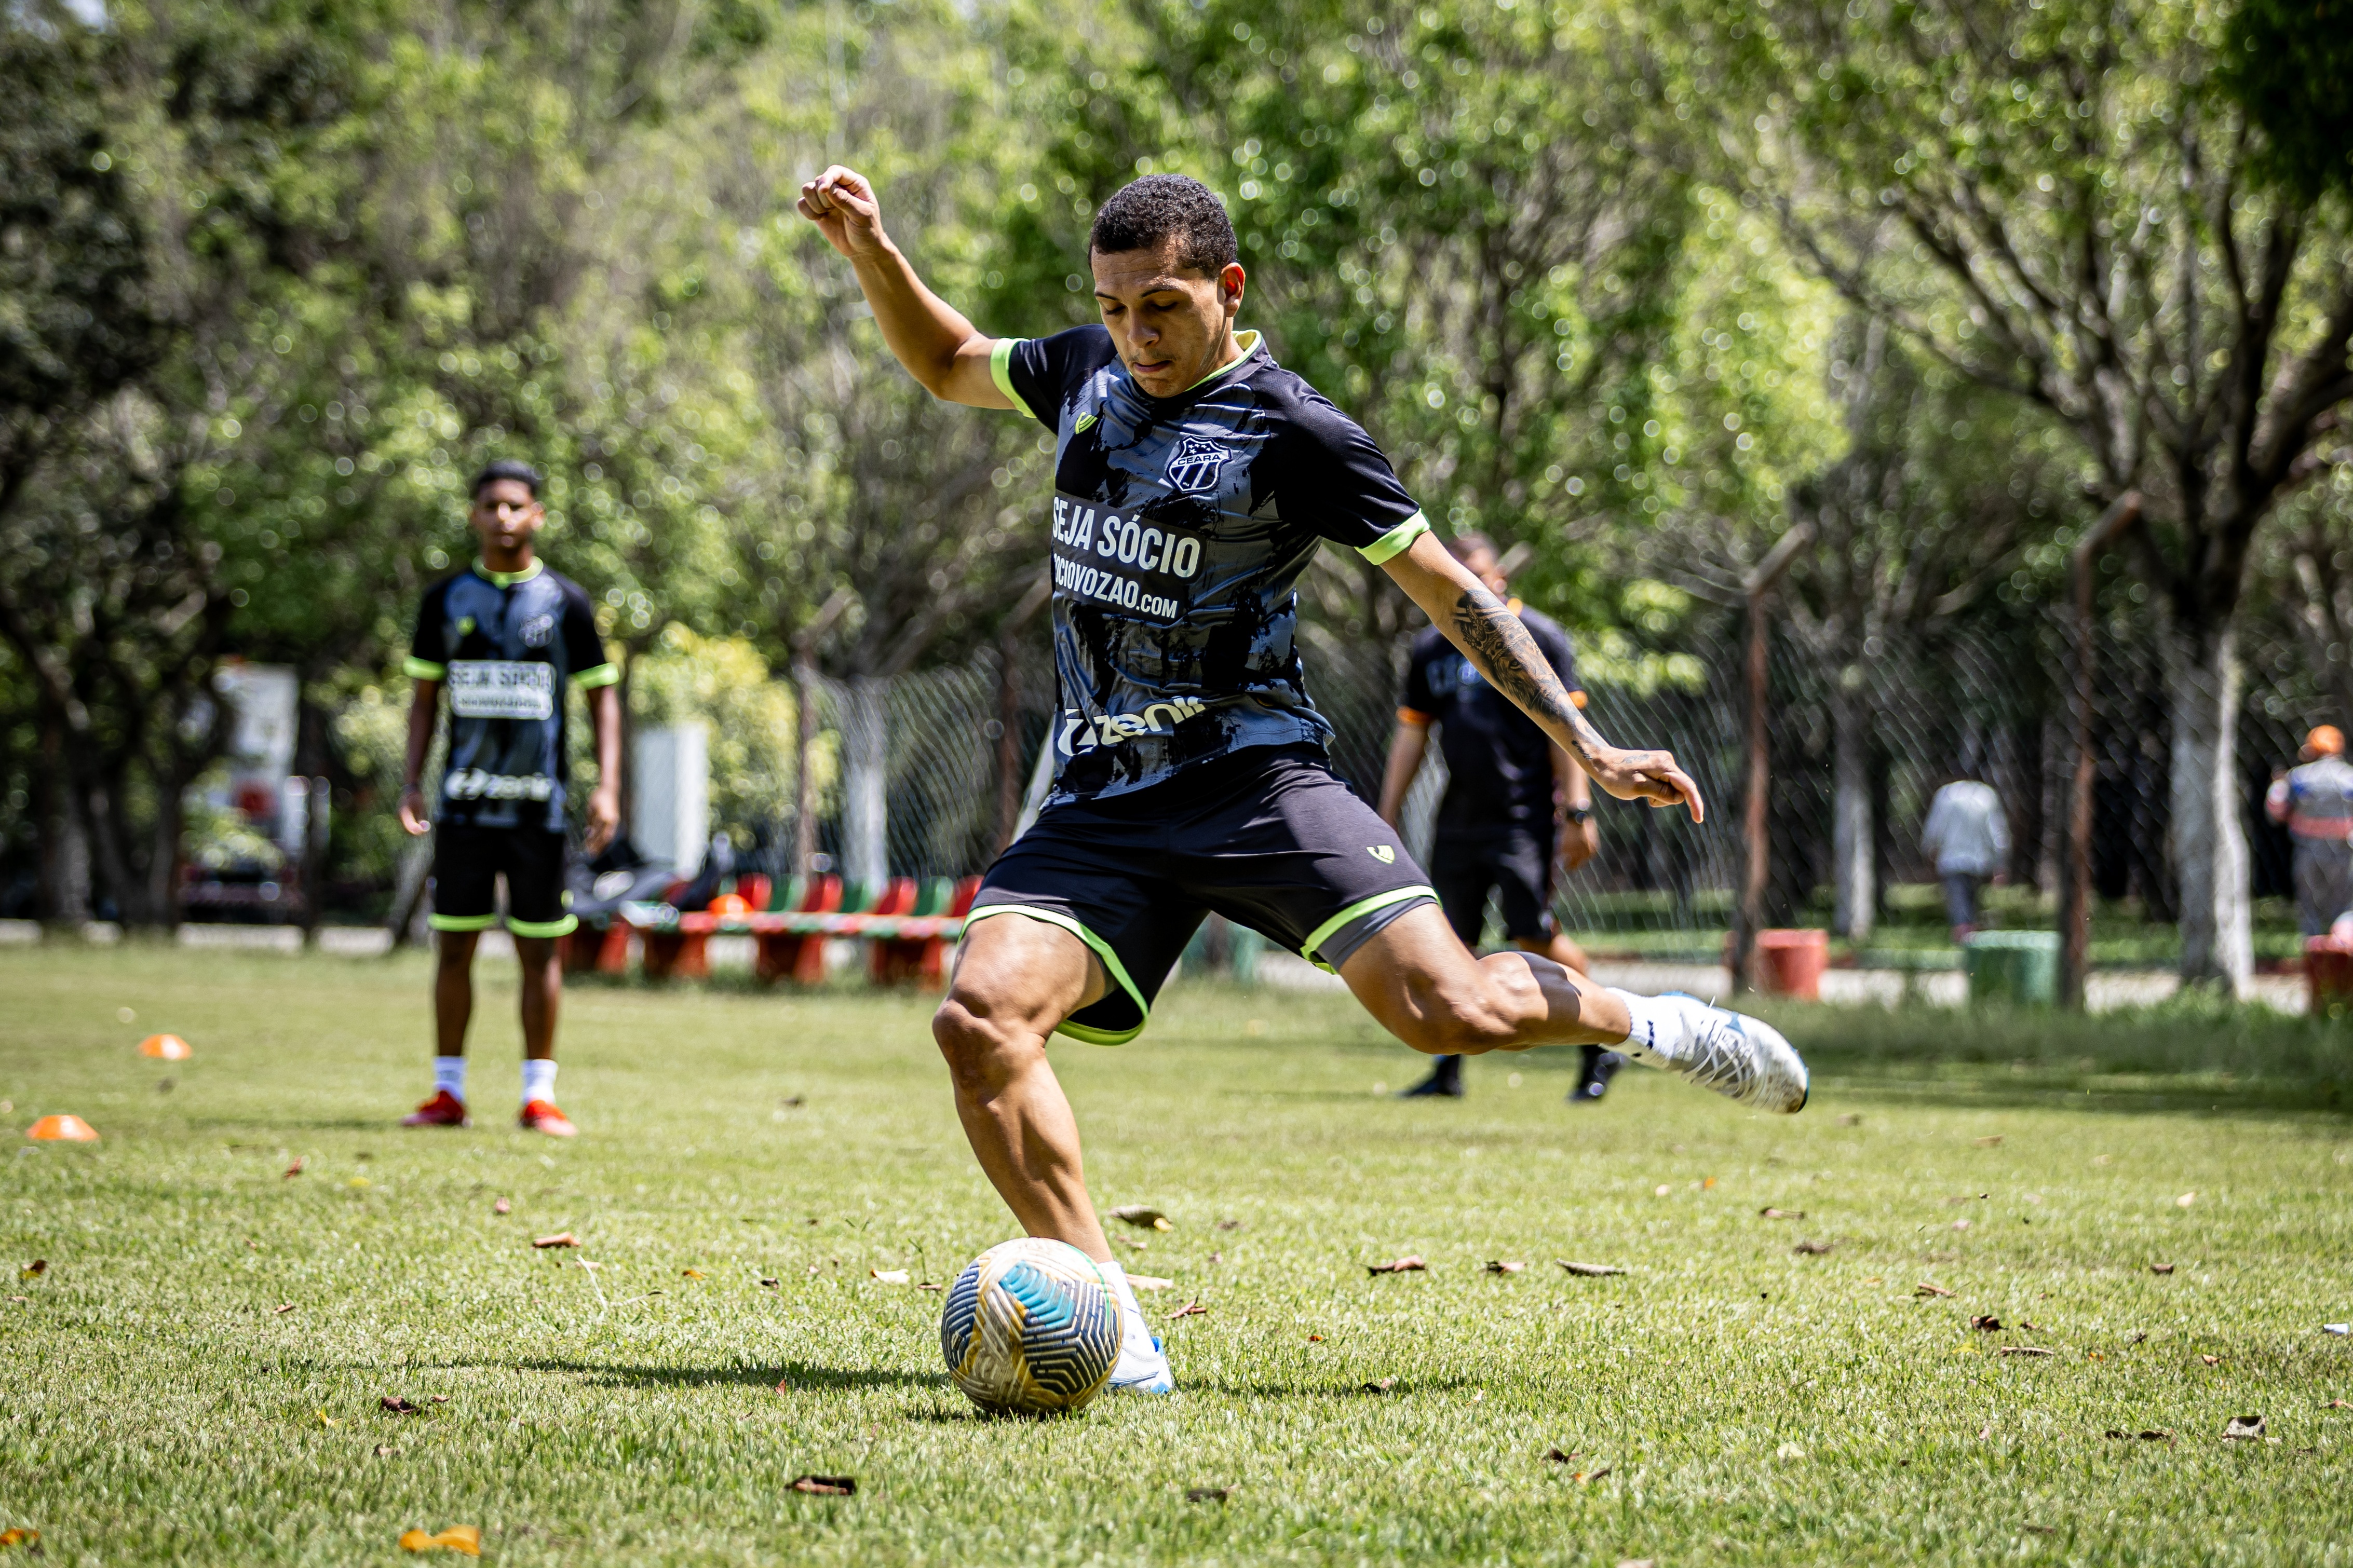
x=841 y=203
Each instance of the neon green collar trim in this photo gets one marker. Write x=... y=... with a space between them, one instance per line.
x=508 y=579
x=1246 y=341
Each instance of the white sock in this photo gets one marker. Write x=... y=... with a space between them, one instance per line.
x=450 y=1077
x=1134 y=1335
x=539 y=1079
x=1659 y=1035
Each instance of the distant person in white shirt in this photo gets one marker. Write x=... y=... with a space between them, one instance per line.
x=1967 y=834
x=2315 y=800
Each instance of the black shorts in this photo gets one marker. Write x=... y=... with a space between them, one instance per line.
x=1514 y=863
x=1269 y=837
x=467 y=863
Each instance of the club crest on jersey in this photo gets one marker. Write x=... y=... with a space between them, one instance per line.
x=537 y=630
x=1195 y=467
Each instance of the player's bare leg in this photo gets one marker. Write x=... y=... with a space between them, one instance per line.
x=453 y=990
x=1415 y=976
x=1016 y=979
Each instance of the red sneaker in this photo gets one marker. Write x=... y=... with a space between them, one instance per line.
x=444 y=1110
x=539 y=1116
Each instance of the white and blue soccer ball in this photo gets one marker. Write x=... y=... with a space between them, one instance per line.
x=1031 y=1327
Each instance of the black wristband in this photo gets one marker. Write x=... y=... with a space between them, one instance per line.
x=1576 y=814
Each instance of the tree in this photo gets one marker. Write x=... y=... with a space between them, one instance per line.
x=2057 y=202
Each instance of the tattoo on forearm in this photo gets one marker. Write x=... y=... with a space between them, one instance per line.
x=1509 y=656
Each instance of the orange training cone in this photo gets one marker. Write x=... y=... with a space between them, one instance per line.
x=170 y=1047
x=62 y=1128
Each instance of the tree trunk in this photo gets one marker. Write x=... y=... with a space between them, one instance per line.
x=2208 y=840
x=805 y=702
x=1853 y=847
x=865 y=759
x=64 y=846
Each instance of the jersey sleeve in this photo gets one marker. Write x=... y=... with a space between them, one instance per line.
x=1335 y=481
x=1038 y=373
x=1417 y=704
x=426 y=658
x=584 y=650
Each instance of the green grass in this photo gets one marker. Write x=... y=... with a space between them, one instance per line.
x=1749 y=1404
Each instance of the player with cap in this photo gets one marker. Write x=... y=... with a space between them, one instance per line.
x=2314 y=799
x=507 y=639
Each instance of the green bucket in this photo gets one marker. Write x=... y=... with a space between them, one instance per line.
x=2017 y=967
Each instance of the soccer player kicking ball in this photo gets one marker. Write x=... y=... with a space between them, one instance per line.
x=505 y=637
x=1193 y=480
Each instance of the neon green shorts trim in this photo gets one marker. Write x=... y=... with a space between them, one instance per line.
x=1101 y=950
x=461 y=922
x=543 y=929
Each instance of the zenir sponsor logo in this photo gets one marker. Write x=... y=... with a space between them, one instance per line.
x=1080 y=733
x=1195 y=467
x=473 y=784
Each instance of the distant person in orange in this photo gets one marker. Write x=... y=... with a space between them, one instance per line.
x=2314 y=798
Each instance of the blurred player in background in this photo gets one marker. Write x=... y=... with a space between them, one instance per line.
x=1510 y=793
x=1194 y=479
x=2314 y=799
x=506 y=638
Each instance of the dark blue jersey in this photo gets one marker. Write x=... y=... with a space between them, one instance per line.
x=504 y=645
x=1180 y=526
x=1498 y=763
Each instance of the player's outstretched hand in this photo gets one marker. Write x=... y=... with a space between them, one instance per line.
x=414 y=819
x=841 y=203
x=1647 y=775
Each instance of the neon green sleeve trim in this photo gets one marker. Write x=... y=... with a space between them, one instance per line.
x=1000 y=371
x=461 y=922
x=564 y=927
x=418 y=669
x=1112 y=966
x=1395 y=540
x=1307 y=949
x=599 y=675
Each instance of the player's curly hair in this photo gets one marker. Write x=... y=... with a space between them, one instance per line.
x=507 y=468
x=1147 y=211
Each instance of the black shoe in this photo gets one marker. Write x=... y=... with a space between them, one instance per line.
x=1445 y=1081
x=1600 y=1067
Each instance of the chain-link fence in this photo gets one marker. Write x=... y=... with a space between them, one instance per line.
x=933 y=766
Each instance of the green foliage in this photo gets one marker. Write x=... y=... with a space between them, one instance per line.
x=2290 y=65
x=752 y=720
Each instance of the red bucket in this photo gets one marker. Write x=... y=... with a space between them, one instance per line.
x=2327 y=971
x=1791 y=963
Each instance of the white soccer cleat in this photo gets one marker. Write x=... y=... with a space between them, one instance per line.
x=1142 y=1368
x=1738 y=1057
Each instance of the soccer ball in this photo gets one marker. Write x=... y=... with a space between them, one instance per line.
x=1031 y=1328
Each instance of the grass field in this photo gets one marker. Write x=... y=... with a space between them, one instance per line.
x=197 y=1374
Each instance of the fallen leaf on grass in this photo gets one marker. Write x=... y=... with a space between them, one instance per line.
x=2026 y=1350
x=1318 y=1338
x=1410 y=1263
x=2149 y=1434
x=1988 y=1324
x=1380 y=1385
x=927 y=1285
x=462 y=1538
x=771 y=1284
x=1229 y=1224
x=1638 y=1562
x=1497 y=1266
x=1709 y=1186
x=1926 y=1288
x=2185 y=1200
x=283 y=1308
x=1149 y=1282
x=2339 y=1405
x=1207 y=1494
x=1989 y=1142
x=295 y=1169
x=1129 y=1241
x=561 y=1238
x=1142 y=1215
x=2041 y=1529
x=396 y=1405
x=20 y=1297
x=1558 y=1457
x=359 y=1182
x=385 y=1450
x=325 y=1419
x=2243 y=1429
x=1593 y=1474
x=35 y=1269
x=2211 y=1359
x=1192 y=1308
x=20 y=1537
x=1589 y=1270
x=690 y=1273
x=1849 y=1120
x=2340 y=1330
x=1961 y=1224
x=2141 y=1337
x=891 y=1276
x=1782 y=1214
x=1814 y=1249
x=440 y=1399
x=2160 y=1269
x=1661 y=1190
x=502 y=1207
x=825 y=1486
